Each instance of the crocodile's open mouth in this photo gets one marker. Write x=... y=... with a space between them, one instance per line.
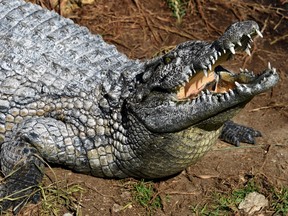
x=215 y=78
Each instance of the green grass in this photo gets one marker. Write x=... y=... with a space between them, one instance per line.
x=178 y=9
x=225 y=203
x=145 y=194
x=280 y=201
x=55 y=198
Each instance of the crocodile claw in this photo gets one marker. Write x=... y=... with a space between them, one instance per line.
x=234 y=133
x=13 y=195
x=19 y=188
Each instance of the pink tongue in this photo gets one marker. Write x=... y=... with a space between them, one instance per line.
x=195 y=85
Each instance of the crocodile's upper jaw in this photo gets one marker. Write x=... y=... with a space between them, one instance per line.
x=212 y=78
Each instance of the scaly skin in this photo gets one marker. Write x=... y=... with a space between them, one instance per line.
x=67 y=97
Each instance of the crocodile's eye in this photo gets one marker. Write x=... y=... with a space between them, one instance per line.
x=167 y=59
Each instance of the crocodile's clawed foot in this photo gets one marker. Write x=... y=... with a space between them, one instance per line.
x=15 y=196
x=234 y=133
x=18 y=189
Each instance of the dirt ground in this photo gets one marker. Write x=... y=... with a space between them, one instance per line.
x=141 y=29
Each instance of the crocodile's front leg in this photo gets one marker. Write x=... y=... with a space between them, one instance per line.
x=234 y=133
x=22 y=158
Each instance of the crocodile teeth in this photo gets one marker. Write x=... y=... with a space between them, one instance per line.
x=239 y=43
x=203 y=96
x=249 y=46
x=222 y=98
x=250 y=38
x=215 y=100
x=232 y=50
x=269 y=66
x=241 y=70
x=209 y=98
x=207 y=92
x=247 y=50
x=186 y=79
x=227 y=96
x=209 y=67
x=215 y=56
x=246 y=88
x=193 y=102
x=212 y=60
x=192 y=69
x=205 y=72
x=259 y=33
x=238 y=84
x=231 y=93
x=219 y=54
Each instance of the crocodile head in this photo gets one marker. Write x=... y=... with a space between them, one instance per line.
x=188 y=85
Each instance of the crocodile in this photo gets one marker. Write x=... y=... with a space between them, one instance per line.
x=68 y=98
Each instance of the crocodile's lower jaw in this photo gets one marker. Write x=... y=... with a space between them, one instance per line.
x=228 y=84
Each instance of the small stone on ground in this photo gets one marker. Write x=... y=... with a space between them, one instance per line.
x=253 y=203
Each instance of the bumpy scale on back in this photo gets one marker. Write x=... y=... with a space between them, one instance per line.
x=67 y=97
